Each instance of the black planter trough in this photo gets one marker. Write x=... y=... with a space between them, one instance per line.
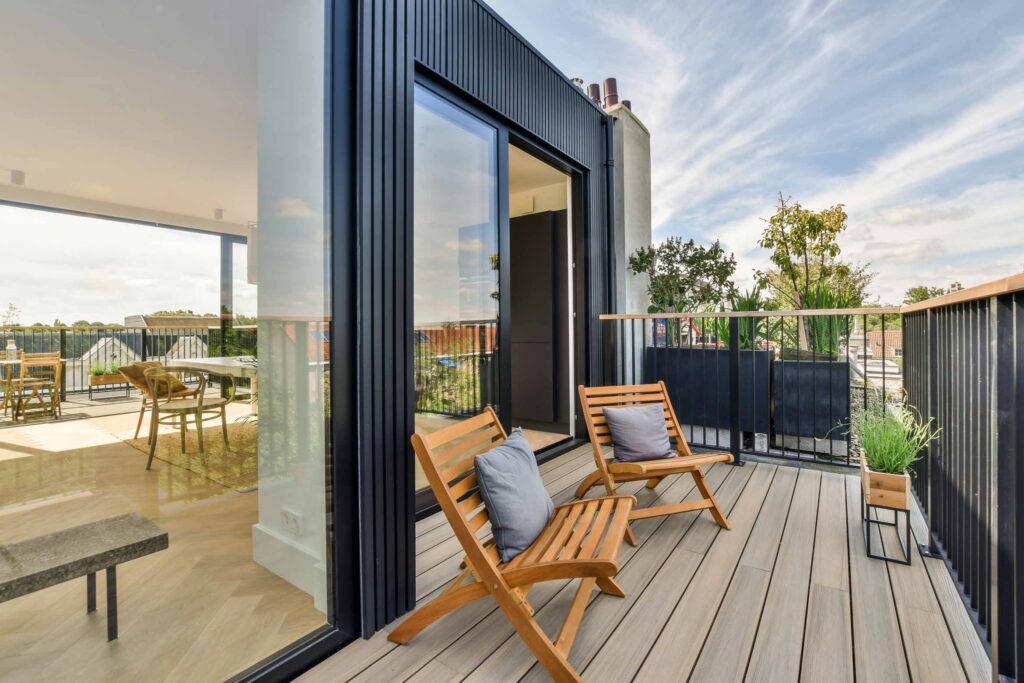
x=698 y=385
x=812 y=400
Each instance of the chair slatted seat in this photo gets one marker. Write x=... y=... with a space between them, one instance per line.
x=581 y=541
x=610 y=472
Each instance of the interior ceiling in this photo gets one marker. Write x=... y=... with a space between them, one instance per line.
x=527 y=172
x=140 y=103
x=143 y=104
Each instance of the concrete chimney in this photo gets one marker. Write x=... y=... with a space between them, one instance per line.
x=631 y=143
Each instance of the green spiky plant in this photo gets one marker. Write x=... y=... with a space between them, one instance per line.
x=751 y=329
x=892 y=437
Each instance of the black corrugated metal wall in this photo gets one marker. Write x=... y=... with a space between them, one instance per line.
x=463 y=43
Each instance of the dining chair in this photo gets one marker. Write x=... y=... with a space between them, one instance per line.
x=38 y=384
x=167 y=408
x=135 y=373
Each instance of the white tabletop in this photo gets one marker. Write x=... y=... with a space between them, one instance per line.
x=236 y=366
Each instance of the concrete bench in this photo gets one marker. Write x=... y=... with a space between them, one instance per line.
x=44 y=561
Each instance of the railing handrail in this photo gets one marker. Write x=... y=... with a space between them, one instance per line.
x=1004 y=285
x=809 y=312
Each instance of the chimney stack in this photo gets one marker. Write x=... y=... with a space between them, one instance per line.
x=611 y=93
x=594 y=90
x=627 y=104
x=578 y=82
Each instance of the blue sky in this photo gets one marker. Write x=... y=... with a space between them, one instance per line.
x=909 y=113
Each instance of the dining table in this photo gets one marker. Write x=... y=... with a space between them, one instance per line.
x=237 y=367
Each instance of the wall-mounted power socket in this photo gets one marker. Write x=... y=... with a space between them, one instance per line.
x=292 y=520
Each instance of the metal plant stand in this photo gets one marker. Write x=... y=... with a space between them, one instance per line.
x=868 y=521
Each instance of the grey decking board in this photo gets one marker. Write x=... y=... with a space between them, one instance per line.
x=617 y=626
x=681 y=637
x=931 y=654
x=828 y=611
x=831 y=565
x=961 y=628
x=877 y=640
x=730 y=639
x=828 y=601
x=776 y=653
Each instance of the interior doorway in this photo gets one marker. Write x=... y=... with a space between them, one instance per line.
x=541 y=299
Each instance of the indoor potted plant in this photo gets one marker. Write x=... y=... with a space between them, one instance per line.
x=890 y=437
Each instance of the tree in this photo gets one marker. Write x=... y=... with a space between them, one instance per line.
x=9 y=316
x=805 y=253
x=684 y=276
x=919 y=293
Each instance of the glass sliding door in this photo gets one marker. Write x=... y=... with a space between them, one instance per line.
x=455 y=288
x=165 y=242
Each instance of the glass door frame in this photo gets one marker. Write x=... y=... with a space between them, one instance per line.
x=510 y=134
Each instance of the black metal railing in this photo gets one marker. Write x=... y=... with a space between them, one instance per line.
x=770 y=383
x=965 y=370
x=455 y=367
x=89 y=351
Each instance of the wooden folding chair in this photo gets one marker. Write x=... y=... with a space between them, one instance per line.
x=593 y=401
x=582 y=540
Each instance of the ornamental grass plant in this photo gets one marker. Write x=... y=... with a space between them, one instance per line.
x=892 y=436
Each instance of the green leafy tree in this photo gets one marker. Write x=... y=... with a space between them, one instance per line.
x=919 y=293
x=808 y=270
x=685 y=276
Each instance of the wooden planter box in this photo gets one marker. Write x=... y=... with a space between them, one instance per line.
x=887 y=490
x=104 y=380
x=107 y=380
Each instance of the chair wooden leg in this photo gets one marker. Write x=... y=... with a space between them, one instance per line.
x=567 y=634
x=610 y=586
x=547 y=653
x=591 y=480
x=445 y=603
x=199 y=436
x=224 y=424
x=142 y=414
x=181 y=430
x=705 y=492
x=653 y=483
x=153 y=430
x=630 y=537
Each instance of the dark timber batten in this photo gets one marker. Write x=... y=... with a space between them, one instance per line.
x=464 y=48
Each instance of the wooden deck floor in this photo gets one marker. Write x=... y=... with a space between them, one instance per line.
x=788 y=594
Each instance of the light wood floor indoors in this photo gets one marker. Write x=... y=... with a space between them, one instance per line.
x=788 y=594
x=201 y=610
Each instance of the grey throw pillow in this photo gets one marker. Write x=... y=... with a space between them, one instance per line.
x=639 y=433
x=517 y=503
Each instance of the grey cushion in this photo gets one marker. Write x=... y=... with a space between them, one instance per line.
x=517 y=503
x=639 y=433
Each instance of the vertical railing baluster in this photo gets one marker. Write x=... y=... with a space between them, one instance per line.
x=734 y=390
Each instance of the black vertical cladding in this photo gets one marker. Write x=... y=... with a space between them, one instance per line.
x=467 y=48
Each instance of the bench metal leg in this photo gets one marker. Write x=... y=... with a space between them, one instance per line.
x=90 y=593
x=111 y=603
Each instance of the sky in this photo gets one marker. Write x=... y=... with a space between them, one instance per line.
x=911 y=114
x=74 y=268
